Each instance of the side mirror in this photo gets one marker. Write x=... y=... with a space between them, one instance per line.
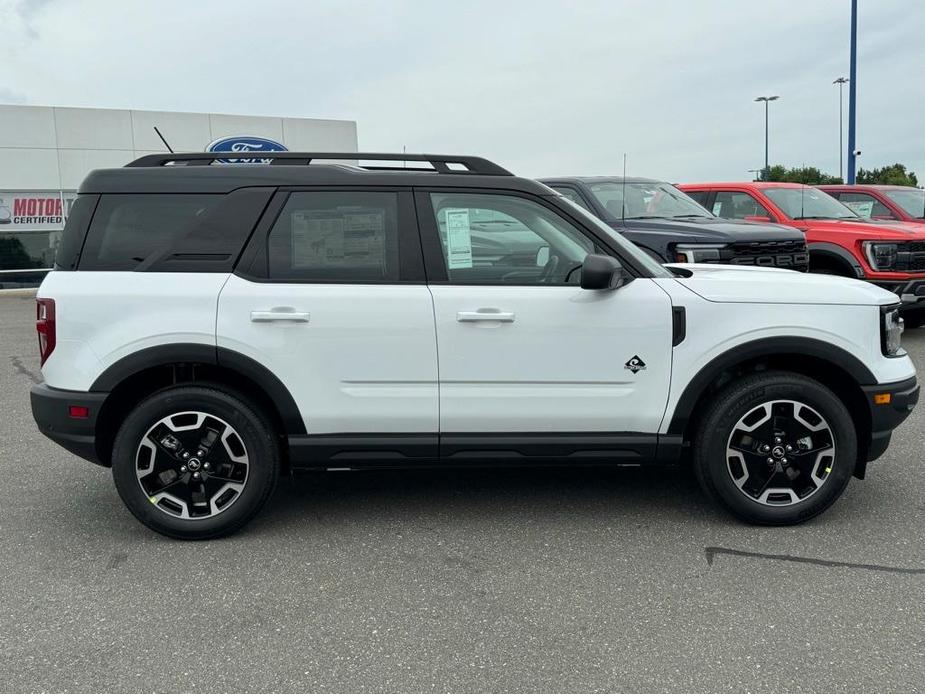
x=756 y=218
x=602 y=272
x=542 y=256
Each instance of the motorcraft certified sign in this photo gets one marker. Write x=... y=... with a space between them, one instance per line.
x=44 y=211
x=240 y=144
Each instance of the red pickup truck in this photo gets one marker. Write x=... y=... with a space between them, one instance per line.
x=902 y=203
x=890 y=254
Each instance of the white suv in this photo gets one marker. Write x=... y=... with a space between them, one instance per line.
x=209 y=326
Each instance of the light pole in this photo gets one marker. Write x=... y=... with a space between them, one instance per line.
x=766 y=100
x=757 y=173
x=841 y=82
x=853 y=96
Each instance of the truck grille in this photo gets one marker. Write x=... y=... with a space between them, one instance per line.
x=910 y=256
x=791 y=255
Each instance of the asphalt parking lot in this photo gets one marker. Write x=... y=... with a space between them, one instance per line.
x=464 y=581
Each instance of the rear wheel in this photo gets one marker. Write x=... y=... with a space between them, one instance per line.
x=195 y=462
x=776 y=448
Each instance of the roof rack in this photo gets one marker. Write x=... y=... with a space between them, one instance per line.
x=444 y=164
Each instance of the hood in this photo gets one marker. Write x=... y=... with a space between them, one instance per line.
x=871 y=229
x=733 y=283
x=711 y=230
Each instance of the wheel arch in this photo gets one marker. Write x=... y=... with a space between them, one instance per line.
x=832 y=254
x=835 y=368
x=133 y=378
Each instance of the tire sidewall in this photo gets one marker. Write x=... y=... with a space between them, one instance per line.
x=254 y=433
x=719 y=425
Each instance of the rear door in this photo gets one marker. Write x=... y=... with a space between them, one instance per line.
x=522 y=348
x=330 y=297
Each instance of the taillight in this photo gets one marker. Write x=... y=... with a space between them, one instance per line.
x=45 y=327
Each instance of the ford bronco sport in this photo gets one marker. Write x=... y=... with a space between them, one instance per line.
x=209 y=326
x=671 y=226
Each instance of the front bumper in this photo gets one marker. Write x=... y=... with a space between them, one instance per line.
x=888 y=413
x=51 y=411
x=910 y=292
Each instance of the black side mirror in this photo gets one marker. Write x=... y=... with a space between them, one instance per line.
x=602 y=272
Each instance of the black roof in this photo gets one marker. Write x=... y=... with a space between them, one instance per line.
x=199 y=172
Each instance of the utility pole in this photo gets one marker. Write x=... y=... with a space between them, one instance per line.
x=853 y=96
x=766 y=100
x=841 y=82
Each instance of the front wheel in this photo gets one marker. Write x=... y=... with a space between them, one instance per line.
x=775 y=448
x=195 y=462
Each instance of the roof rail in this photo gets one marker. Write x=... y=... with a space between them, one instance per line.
x=441 y=163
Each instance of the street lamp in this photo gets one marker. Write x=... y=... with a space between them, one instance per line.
x=766 y=100
x=841 y=82
x=757 y=173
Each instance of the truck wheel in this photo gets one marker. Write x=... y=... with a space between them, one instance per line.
x=195 y=462
x=775 y=448
x=914 y=318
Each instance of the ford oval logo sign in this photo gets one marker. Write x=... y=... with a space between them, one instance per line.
x=245 y=143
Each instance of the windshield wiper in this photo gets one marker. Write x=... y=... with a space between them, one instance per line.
x=688 y=216
x=820 y=216
x=647 y=216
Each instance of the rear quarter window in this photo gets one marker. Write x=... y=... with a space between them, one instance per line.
x=127 y=229
x=75 y=231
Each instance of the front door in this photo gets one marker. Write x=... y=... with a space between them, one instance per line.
x=521 y=347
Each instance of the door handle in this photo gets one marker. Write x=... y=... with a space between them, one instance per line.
x=280 y=314
x=485 y=314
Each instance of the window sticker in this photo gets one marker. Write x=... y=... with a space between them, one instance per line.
x=865 y=209
x=458 y=239
x=322 y=240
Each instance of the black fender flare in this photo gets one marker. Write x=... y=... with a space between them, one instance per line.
x=767 y=347
x=191 y=353
x=834 y=250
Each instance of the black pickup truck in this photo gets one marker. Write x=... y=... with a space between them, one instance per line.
x=673 y=228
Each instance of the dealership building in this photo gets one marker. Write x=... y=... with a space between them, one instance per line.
x=45 y=152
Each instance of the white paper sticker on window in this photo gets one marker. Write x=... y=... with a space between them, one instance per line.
x=865 y=209
x=458 y=239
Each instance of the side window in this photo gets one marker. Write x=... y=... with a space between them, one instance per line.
x=128 y=228
x=336 y=237
x=866 y=205
x=735 y=205
x=573 y=195
x=504 y=239
x=700 y=196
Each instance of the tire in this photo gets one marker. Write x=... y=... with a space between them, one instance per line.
x=195 y=462
x=730 y=462
x=914 y=318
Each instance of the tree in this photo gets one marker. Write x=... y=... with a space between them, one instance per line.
x=810 y=175
x=893 y=175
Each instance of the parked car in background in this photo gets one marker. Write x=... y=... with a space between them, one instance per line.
x=902 y=203
x=840 y=242
x=671 y=227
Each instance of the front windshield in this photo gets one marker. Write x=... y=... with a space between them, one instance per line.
x=912 y=201
x=645 y=201
x=808 y=203
x=653 y=267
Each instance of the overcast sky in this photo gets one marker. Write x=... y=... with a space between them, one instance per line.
x=542 y=87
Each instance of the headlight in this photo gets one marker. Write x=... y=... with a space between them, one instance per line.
x=881 y=256
x=698 y=252
x=891 y=330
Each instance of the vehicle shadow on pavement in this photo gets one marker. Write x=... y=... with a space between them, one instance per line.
x=487 y=493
